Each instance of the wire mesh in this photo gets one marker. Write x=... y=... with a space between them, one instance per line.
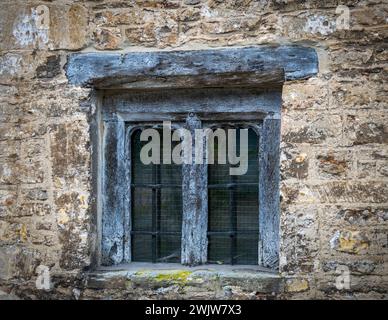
x=156 y=207
x=233 y=208
x=233 y=225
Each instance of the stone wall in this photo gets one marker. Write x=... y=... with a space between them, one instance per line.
x=334 y=160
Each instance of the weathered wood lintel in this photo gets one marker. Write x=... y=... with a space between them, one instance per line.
x=249 y=66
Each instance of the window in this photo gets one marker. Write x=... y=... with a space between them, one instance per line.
x=221 y=87
x=156 y=207
x=233 y=208
x=192 y=213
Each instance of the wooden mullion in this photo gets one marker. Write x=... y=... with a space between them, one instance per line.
x=194 y=197
x=269 y=205
x=113 y=191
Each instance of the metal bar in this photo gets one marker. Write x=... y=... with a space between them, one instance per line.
x=155 y=185
x=153 y=223
x=211 y=233
x=232 y=185
x=158 y=209
x=233 y=219
x=157 y=232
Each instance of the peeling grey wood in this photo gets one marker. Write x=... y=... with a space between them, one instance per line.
x=113 y=193
x=127 y=194
x=148 y=117
x=258 y=79
x=96 y=153
x=269 y=194
x=199 y=101
x=250 y=66
x=195 y=216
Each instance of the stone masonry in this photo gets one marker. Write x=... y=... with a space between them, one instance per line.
x=334 y=154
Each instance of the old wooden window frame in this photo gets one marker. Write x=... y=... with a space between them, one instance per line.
x=261 y=68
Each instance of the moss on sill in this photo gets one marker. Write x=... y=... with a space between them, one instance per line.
x=214 y=278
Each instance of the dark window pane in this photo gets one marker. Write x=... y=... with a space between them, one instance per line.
x=156 y=208
x=141 y=173
x=252 y=173
x=247 y=208
x=247 y=249
x=234 y=209
x=141 y=209
x=169 y=248
x=219 y=249
x=171 y=174
x=219 y=173
x=219 y=213
x=141 y=247
x=171 y=210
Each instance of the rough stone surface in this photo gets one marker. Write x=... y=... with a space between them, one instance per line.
x=334 y=154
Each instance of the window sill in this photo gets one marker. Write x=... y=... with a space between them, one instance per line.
x=148 y=275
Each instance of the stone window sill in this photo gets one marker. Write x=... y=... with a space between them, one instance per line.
x=130 y=276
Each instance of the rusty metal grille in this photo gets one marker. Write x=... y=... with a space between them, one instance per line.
x=156 y=193
x=233 y=204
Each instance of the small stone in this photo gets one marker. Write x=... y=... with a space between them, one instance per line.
x=192 y=2
x=36 y=194
x=189 y=14
x=6 y=296
x=76 y=293
x=51 y=68
x=297 y=285
x=141 y=35
x=349 y=241
x=30 y=209
x=332 y=163
x=162 y=4
x=107 y=39
x=301 y=158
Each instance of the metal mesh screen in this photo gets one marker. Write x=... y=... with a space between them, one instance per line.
x=233 y=227
x=156 y=208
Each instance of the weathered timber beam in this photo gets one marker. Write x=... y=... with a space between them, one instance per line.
x=250 y=66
